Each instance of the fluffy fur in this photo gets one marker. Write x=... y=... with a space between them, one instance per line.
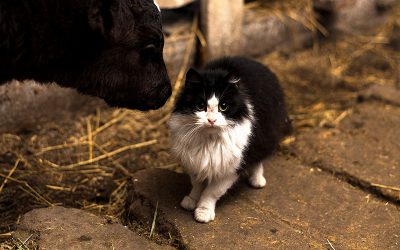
x=229 y=117
x=107 y=48
x=207 y=155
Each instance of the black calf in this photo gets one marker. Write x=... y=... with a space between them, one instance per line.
x=106 y=48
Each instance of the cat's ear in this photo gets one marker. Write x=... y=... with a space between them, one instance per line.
x=233 y=78
x=192 y=76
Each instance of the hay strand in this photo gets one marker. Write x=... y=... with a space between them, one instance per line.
x=31 y=191
x=153 y=224
x=107 y=125
x=185 y=63
x=330 y=244
x=112 y=153
x=385 y=187
x=61 y=146
x=117 y=164
x=58 y=188
x=90 y=139
x=9 y=174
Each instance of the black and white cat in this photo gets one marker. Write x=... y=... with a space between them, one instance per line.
x=229 y=117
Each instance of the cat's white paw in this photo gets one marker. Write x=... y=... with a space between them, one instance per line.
x=188 y=203
x=257 y=181
x=204 y=215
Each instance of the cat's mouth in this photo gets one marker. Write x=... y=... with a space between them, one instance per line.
x=208 y=125
x=212 y=128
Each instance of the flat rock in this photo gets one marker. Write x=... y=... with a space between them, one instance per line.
x=70 y=228
x=365 y=147
x=300 y=208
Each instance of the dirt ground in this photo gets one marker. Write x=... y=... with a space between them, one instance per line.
x=87 y=162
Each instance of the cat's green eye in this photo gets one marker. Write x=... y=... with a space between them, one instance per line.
x=200 y=106
x=223 y=106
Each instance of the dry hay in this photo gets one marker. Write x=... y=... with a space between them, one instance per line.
x=289 y=12
x=322 y=83
x=88 y=170
x=88 y=163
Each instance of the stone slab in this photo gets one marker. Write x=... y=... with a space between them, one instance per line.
x=300 y=208
x=70 y=228
x=365 y=146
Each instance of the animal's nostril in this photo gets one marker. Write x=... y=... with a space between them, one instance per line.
x=212 y=121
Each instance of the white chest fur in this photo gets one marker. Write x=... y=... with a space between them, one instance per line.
x=208 y=155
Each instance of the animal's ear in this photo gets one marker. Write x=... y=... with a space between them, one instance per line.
x=233 y=78
x=192 y=76
x=100 y=16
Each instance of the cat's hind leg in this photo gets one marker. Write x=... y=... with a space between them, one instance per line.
x=189 y=202
x=205 y=211
x=256 y=176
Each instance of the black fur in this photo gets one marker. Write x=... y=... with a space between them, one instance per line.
x=200 y=86
x=257 y=85
x=99 y=47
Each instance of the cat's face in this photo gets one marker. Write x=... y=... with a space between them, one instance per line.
x=212 y=100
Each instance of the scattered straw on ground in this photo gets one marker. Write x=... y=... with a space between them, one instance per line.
x=87 y=163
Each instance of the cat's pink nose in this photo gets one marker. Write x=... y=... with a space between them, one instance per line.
x=212 y=121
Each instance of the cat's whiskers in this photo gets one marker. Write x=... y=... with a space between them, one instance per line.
x=190 y=133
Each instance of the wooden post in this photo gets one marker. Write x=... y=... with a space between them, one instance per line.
x=221 y=24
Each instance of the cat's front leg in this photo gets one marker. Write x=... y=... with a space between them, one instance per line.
x=256 y=176
x=189 y=202
x=205 y=211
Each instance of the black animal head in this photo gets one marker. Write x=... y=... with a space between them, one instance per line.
x=127 y=67
x=106 y=48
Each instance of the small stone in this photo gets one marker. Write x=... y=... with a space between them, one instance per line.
x=85 y=238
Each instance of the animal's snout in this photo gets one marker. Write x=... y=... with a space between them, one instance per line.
x=159 y=96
